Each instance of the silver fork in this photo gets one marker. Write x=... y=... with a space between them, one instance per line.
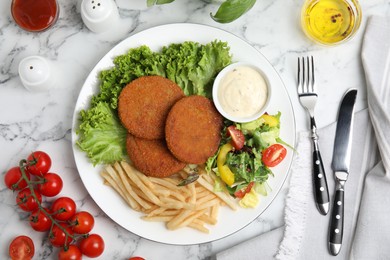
x=308 y=98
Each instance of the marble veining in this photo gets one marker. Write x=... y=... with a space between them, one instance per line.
x=30 y=121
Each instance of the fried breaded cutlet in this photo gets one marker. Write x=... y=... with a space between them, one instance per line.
x=193 y=129
x=144 y=105
x=152 y=157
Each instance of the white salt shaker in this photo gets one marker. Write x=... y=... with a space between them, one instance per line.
x=99 y=15
x=36 y=73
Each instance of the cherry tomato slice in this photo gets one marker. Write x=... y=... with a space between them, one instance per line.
x=241 y=193
x=274 y=154
x=39 y=221
x=21 y=248
x=71 y=252
x=52 y=185
x=42 y=163
x=82 y=222
x=63 y=208
x=26 y=201
x=92 y=246
x=58 y=237
x=238 y=138
x=13 y=179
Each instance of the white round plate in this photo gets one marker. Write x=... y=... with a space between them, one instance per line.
x=229 y=221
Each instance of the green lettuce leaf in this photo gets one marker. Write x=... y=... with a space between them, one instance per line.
x=101 y=135
x=193 y=66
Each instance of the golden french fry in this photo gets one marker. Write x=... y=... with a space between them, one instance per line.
x=129 y=189
x=188 y=220
x=207 y=204
x=157 y=218
x=214 y=211
x=110 y=182
x=222 y=195
x=198 y=226
x=194 y=205
x=132 y=173
x=131 y=201
x=175 y=222
x=208 y=219
x=166 y=182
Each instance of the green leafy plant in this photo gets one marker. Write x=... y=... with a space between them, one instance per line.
x=227 y=12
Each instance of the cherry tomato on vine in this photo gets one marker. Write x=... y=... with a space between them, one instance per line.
x=42 y=163
x=39 y=221
x=72 y=252
x=13 y=179
x=82 y=222
x=21 y=248
x=92 y=246
x=63 y=208
x=52 y=185
x=274 y=154
x=26 y=201
x=58 y=237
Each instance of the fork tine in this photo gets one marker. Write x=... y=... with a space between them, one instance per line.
x=305 y=75
x=300 y=76
x=312 y=75
x=309 y=77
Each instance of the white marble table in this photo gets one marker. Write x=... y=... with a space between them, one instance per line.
x=29 y=121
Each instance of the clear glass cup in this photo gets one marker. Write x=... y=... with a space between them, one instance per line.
x=331 y=22
x=35 y=15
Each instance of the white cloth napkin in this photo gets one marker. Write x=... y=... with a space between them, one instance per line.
x=367 y=191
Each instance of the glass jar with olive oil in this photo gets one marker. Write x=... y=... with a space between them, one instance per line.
x=330 y=22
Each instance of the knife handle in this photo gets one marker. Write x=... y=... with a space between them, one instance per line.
x=336 y=227
x=321 y=192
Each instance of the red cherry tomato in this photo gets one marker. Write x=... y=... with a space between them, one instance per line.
x=63 y=208
x=13 y=179
x=39 y=221
x=238 y=138
x=82 y=222
x=71 y=252
x=136 y=258
x=42 y=163
x=241 y=193
x=52 y=185
x=58 y=237
x=21 y=248
x=92 y=246
x=273 y=155
x=26 y=200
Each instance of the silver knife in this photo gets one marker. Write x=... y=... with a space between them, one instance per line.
x=340 y=165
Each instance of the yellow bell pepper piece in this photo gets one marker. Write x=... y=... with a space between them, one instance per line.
x=270 y=120
x=225 y=173
x=250 y=200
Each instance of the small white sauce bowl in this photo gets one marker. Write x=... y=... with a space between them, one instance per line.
x=217 y=85
x=36 y=74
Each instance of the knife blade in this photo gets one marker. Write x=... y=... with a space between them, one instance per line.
x=340 y=164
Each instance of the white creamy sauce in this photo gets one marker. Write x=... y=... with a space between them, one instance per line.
x=242 y=92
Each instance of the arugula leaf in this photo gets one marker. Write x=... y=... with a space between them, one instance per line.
x=230 y=10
